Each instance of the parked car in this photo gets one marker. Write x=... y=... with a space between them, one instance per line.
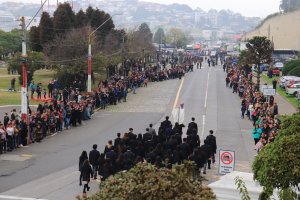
x=279 y=65
x=291 y=82
x=293 y=89
x=275 y=71
x=284 y=79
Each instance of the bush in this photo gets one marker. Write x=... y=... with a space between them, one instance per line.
x=290 y=66
x=147 y=182
x=67 y=75
x=295 y=71
x=277 y=165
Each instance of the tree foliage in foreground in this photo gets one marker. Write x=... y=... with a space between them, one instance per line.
x=277 y=165
x=146 y=182
x=290 y=66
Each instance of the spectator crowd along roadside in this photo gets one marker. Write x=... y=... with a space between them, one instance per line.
x=260 y=110
x=68 y=107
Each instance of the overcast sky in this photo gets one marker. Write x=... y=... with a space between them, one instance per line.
x=257 y=8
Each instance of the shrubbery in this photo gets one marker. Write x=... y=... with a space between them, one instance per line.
x=146 y=182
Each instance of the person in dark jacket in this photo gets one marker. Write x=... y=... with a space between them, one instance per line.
x=211 y=140
x=87 y=173
x=207 y=150
x=193 y=125
x=93 y=158
x=82 y=158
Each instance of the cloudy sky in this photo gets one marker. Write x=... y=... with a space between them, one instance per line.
x=257 y=8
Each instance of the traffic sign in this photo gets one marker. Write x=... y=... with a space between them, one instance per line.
x=226 y=161
x=269 y=92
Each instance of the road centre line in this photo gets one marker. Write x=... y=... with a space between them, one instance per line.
x=205 y=107
x=17 y=198
x=206 y=92
x=203 y=125
x=178 y=93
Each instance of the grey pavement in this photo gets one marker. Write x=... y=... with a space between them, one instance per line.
x=48 y=170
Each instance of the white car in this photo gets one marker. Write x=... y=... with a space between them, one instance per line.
x=291 y=82
x=279 y=65
x=284 y=79
x=293 y=89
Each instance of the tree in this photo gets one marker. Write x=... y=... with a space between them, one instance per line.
x=289 y=66
x=146 y=182
x=244 y=58
x=295 y=72
x=98 y=18
x=9 y=42
x=145 y=32
x=89 y=13
x=81 y=20
x=159 y=36
x=177 y=37
x=63 y=18
x=70 y=49
x=46 y=31
x=277 y=165
x=34 y=39
x=260 y=52
x=289 y=5
x=35 y=61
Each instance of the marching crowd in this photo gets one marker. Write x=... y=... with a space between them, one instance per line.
x=68 y=107
x=261 y=110
x=162 y=149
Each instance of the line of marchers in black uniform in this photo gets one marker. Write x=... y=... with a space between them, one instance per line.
x=162 y=150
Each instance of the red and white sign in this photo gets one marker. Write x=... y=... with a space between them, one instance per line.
x=226 y=161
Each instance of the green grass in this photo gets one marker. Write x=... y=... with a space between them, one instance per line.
x=14 y=98
x=40 y=76
x=279 y=90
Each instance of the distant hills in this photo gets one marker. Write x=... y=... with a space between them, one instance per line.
x=135 y=12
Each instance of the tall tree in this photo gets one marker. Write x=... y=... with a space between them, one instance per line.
x=98 y=18
x=289 y=5
x=177 y=37
x=159 y=36
x=145 y=32
x=81 y=19
x=46 y=29
x=34 y=38
x=63 y=18
x=259 y=52
x=9 y=42
x=89 y=13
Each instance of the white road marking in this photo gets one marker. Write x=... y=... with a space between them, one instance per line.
x=206 y=92
x=203 y=124
x=17 y=198
x=178 y=93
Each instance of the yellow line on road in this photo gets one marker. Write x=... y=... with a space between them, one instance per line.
x=178 y=93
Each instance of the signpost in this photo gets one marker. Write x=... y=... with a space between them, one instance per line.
x=269 y=92
x=226 y=161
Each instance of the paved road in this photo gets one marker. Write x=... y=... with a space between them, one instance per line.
x=49 y=170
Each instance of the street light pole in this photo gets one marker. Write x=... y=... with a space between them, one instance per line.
x=89 y=82
x=24 y=103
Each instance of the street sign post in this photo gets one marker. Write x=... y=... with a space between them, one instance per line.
x=269 y=92
x=226 y=161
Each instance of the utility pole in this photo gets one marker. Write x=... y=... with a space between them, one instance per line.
x=24 y=104
x=122 y=55
x=269 y=31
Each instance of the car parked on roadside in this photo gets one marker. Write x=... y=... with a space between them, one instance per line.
x=279 y=65
x=275 y=71
x=285 y=79
x=291 y=82
x=293 y=89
